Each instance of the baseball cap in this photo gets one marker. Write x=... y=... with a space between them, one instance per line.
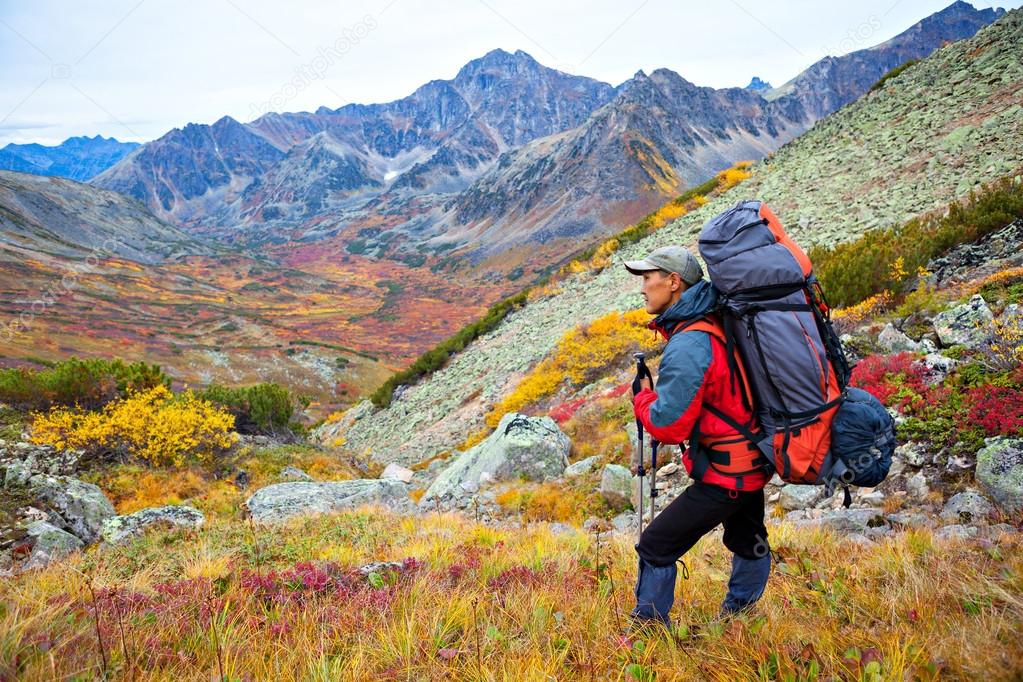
x=670 y=259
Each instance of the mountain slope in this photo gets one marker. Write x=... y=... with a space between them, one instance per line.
x=833 y=82
x=927 y=137
x=660 y=134
x=66 y=218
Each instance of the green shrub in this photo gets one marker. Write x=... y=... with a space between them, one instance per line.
x=263 y=408
x=892 y=74
x=89 y=383
x=879 y=260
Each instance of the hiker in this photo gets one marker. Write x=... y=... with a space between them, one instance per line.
x=695 y=380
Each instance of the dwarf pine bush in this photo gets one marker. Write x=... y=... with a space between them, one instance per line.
x=89 y=383
x=262 y=408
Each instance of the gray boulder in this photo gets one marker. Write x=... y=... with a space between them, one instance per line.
x=916 y=486
x=892 y=340
x=1000 y=471
x=968 y=324
x=583 y=466
x=120 y=529
x=938 y=367
x=282 y=501
x=521 y=447
x=800 y=496
x=967 y=507
x=910 y=519
x=78 y=507
x=843 y=520
x=50 y=544
x=616 y=484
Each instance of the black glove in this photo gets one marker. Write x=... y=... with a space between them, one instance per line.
x=642 y=372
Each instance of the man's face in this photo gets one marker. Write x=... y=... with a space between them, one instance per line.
x=660 y=290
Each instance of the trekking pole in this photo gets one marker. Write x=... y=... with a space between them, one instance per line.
x=653 y=477
x=641 y=369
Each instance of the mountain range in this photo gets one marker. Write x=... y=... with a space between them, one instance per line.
x=508 y=154
x=77 y=158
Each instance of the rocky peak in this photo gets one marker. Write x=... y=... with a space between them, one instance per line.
x=758 y=85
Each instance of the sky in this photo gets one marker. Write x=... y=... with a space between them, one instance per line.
x=134 y=69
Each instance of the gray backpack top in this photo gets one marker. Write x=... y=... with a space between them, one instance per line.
x=774 y=312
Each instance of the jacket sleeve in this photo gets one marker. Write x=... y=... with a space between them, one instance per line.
x=669 y=412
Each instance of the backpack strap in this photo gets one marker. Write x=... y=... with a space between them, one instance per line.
x=736 y=371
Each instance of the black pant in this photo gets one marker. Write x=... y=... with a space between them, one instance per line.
x=696 y=512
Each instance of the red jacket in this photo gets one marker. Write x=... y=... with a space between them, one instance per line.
x=694 y=373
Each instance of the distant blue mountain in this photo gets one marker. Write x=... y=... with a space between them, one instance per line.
x=77 y=158
x=758 y=85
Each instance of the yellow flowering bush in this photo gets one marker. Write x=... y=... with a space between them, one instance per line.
x=733 y=176
x=580 y=354
x=865 y=308
x=153 y=425
x=1003 y=349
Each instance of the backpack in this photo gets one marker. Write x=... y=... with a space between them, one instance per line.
x=815 y=429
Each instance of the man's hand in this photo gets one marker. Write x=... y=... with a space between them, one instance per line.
x=646 y=383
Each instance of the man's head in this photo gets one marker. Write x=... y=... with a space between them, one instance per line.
x=667 y=272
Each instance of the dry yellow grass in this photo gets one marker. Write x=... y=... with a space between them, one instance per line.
x=505 y=604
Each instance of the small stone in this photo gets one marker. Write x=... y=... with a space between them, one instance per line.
x=800 y=496
x=916 y=486
x=397 y=472
x=291 y=473
x=624 y=522
x=51 y=544
x=382 y=567
x=910 y=519
x=912 y=454
x=874 y=498
x=938 y=367
x=892 y=340
x=616 y=484
x=997 y=529
x=967 y=507
x=669 y=469
x=858 y=539
x=955 y=532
